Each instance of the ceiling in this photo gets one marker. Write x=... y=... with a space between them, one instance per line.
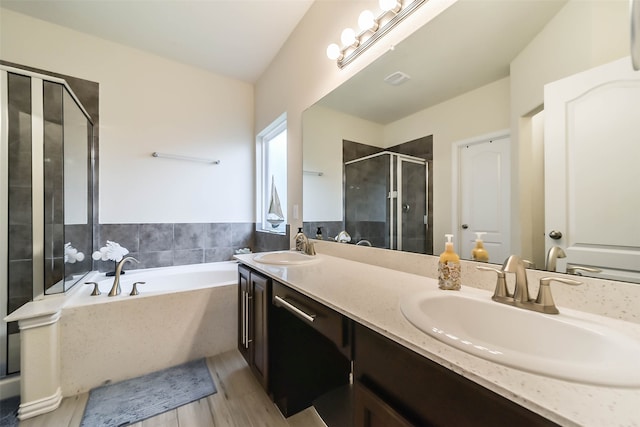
x=234 y=38
x=469 y=45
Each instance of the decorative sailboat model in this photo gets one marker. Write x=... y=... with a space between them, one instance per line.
x=274 y=214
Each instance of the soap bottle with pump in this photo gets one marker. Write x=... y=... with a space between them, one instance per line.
x=299 y=239
x=319 y=233
x=449 y=267
x=479 y=253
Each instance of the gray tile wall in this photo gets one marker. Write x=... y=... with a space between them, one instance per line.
x=271 y=241
x=168 y=244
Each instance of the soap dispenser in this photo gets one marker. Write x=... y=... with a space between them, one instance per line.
x=299 y=239
x=479 y=253
x=449 y=267
x=319 y=233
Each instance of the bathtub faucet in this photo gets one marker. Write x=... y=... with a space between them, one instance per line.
x=115 y=289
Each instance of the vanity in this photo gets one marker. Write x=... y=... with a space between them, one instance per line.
x=331 y=332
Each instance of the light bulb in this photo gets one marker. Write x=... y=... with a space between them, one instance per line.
x=333 y=51
x=387 y=5
x=366 y=21
x=348 y=37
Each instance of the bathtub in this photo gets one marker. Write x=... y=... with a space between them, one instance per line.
x=158 y=280
x=182 y=313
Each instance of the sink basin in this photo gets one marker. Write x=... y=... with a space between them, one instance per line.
x=284 y=258
x=563 y=346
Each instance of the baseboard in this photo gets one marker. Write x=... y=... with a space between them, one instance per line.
x=10 y=387
x=41 y=406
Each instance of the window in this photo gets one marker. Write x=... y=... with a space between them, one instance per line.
x=272 y=177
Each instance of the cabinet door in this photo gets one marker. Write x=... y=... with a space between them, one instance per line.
x=243 y=312
x=259 y=337
x=371 y=411
x=427 y=393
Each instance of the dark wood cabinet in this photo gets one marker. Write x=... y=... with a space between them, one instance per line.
x=253 y=321
x=371 y=411
x=401 y=382
x=309 y=350
x=302 y=351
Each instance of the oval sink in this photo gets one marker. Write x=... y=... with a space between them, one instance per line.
x=563 y=346
x=284 y=258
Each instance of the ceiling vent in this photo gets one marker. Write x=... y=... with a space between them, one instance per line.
x=397 y=78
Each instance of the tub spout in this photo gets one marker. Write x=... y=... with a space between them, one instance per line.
x=115 y=289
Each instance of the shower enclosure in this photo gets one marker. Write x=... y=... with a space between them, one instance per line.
x=46 y=208
x=386 y=201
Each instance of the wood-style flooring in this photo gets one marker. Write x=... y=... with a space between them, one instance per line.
x=239 y=402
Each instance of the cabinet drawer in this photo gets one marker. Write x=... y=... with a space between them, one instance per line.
x=370 y=410
x=328 y=322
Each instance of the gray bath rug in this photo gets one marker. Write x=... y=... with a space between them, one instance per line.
x=9 y=412
x=130 y=401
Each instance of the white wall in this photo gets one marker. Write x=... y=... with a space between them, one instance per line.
x=147 y=104
x=322 y=146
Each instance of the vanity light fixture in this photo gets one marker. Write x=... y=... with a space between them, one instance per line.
x=371 y=29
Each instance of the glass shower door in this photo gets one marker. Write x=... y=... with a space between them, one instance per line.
x=412 y=205
x=45 y=196
x=366 y=205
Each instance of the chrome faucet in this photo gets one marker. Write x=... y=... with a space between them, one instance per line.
x=115 y=289
x=552 y=257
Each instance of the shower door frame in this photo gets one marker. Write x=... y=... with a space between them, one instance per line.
x=37 y=191
x=399 y=160
x=393 y=195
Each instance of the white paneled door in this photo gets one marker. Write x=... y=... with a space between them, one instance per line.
x=592 y=169
x=484 y=196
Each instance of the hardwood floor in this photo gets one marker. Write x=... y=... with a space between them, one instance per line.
x=239 y=402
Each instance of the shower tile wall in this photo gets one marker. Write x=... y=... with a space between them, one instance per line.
x=166 y=244
x=329 y=229
x=20 y=248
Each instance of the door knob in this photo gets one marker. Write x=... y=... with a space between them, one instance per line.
x=555 y=235
x=465 y=226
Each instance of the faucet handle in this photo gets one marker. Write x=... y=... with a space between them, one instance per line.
x=576 y=269
x=134 y=290
x=501 y=292
x=544 y=299
x=96 y=290
x=528 y=264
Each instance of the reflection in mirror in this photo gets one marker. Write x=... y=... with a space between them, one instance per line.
x=488 y=77
x=68 y=225
x=386 y=195
x=78 y=230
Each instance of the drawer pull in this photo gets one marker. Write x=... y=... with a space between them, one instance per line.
x=293 y=309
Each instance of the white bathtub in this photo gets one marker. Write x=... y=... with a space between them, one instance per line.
x=158 y=280
x=182 y=313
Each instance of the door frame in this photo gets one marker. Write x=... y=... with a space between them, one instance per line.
x=456 y=149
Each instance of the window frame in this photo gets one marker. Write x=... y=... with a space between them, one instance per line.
x=263 y=184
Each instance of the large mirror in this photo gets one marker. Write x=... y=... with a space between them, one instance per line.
x=476 y=87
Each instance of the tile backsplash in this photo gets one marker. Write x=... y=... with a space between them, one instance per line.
x=168 y=244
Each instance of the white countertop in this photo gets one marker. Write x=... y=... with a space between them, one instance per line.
x=370 y=295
